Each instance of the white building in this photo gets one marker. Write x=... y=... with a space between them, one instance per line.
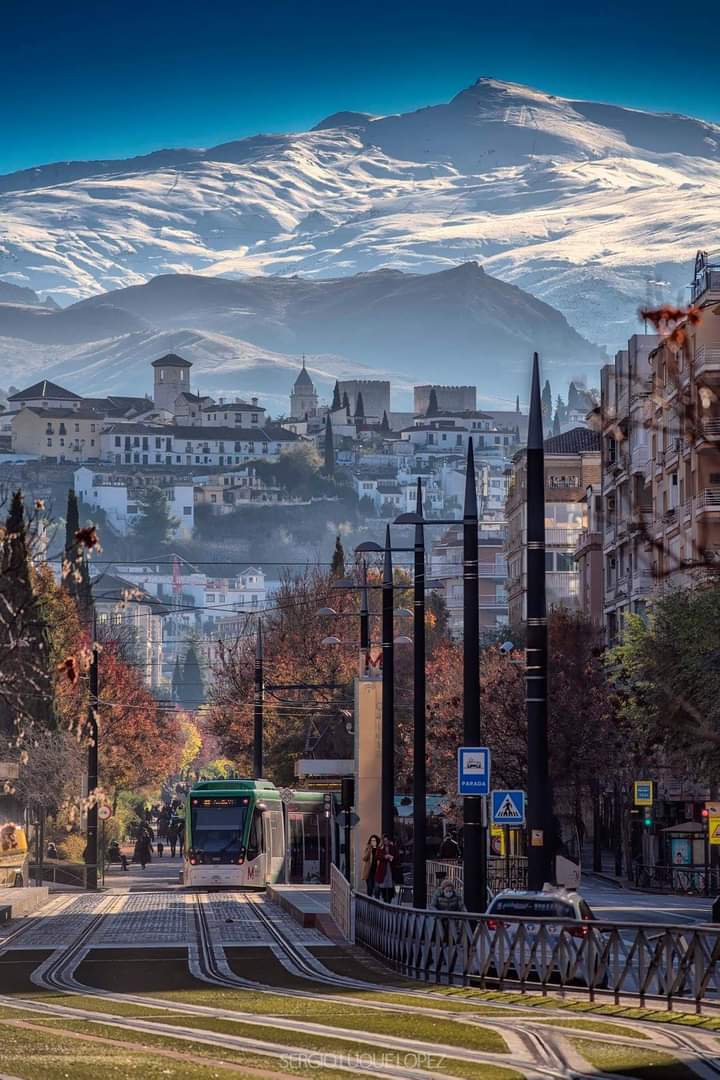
x=238 y=414
x=129 y=615
x=139 y=444
x=118 y=496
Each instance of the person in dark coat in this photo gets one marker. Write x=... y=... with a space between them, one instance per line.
x=143 y=850
x=172 y=836
x=384 y=873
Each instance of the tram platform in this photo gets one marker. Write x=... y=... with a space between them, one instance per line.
x=308 y=905
x=14 y=903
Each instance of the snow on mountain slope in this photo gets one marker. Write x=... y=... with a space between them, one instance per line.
x=580 y=203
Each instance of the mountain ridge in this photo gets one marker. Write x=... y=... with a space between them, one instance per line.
x=574 y=201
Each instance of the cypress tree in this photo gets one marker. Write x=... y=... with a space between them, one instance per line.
x=192 y=688
x=433 y=408
x=359 y=408
x=176 y=686
x=546 y=404
x=336 y=402
x=385 y=425
x=26 y=681
x=556 y=423
x=346 y=404
x=76 y=572
x=337 y=566
x=329 y=449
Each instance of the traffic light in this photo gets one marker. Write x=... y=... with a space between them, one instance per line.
x=647 y=817
x=327 y=803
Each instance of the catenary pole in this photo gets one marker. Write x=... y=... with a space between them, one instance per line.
x=258 y=705
x=91 y=846
x=388 y=695
x=419 y=737
x=539 y=810
x=474 y=844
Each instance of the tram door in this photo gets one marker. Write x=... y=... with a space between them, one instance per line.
x=274 y=845
x=305 y=847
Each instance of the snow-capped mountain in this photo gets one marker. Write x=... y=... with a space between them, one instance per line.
x=582 y=204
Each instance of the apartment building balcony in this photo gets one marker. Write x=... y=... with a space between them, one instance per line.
x=710 y=429
x=562 y=586
x=707 y=361
x=707 y=502
x=669 y=456
x=497 y=570
x=640 y=460
x=705 y=288
x=643 y=582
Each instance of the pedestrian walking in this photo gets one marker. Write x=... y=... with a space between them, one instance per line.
x=159 y=847
x=181 y=837
x=143 y=850
x=172 y=837
x=447 y=899
x=369 y=863
x=384 y=873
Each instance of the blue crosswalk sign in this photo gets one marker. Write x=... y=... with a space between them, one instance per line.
x=508 y=807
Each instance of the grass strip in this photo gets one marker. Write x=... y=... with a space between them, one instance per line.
x=599 y=1027
x=324 y=1047
x=637 y=1062
x=428 y=1029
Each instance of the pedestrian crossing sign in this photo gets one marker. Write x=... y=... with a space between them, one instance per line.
x=714 y=831
x=508 y=807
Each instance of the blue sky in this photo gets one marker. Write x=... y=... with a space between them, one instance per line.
x=114 y=78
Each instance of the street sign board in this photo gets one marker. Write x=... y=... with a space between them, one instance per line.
x=643 y=793
x=346 y=819
x=286 y=794
x=104 y=812
x=713 y=809
x=473 y=770
x=508 y=807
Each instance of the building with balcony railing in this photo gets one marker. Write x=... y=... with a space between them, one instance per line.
x=572 y=464
x=685 y=441
x=446 y=575
x=625 y=409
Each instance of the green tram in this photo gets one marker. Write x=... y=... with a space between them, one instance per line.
x=244 y=833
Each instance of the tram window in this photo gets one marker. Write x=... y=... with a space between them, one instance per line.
x=255 y=832
x=312 y=838
x=295 y=823
x=276 y=834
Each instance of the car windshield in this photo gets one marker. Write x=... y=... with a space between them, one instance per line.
x=218 y=825
x=525 y=907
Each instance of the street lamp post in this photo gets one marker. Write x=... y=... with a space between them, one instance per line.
x=541 y=843
x=419 y=767
x=387 y=800
x=258 y=705
x=474 y=843
x=91 y=846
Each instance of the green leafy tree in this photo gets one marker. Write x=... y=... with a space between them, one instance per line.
x=155 y=525
x=337 y=566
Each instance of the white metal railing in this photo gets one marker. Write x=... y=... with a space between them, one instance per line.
x=707 y=358
x=648 y=961
x=708 y=499
x=342 y=904
x=491 y=569
x=710 y=428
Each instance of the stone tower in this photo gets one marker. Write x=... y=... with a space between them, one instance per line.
x=303 y=399
x=172 y=378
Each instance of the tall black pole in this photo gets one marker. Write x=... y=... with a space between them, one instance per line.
x=474 y=845
x=539 y=810
x=258 y=705
x=364 y=612
x=419 y=777
x=388 y=695
x=91 y=846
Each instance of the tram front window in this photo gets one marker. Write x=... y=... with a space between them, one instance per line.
x=218 y=829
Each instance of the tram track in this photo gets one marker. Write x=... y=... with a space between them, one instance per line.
x=538 y=1052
